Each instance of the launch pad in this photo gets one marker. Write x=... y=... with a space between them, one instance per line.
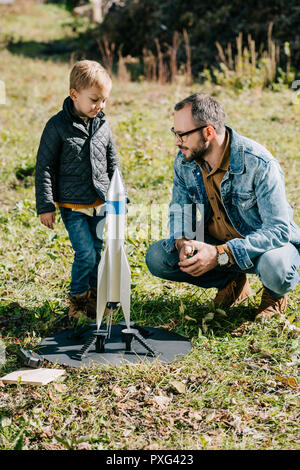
x=65 y=348
x=125 y=342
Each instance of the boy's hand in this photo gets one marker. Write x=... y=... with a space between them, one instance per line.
x=48 y=219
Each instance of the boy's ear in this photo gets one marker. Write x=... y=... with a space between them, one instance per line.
x=73 y=94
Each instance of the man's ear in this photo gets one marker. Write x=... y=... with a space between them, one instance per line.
x=210 y=132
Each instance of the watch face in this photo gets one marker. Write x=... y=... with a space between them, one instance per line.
x=223 y=259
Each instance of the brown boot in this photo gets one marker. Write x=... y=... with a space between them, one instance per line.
x=92 y=303
x=78 y=306
x=234 y=293
x=270 y=307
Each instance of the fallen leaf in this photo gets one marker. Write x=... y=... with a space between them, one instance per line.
x=46 y=432
x=118 y=391
x=190 y=318
x=290 y=381
x=243 y=328
x=162 y=401
x=252 y=348
x=153 y=447
x=178 y=387
x=181 y=308
x=197 y=415
x=84 y=446
x=60 y=387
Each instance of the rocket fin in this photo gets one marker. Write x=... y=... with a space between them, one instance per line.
x=125 y=285
x=102 y=287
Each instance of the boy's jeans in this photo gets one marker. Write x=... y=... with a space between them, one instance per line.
x=85 y=234
x=277 y=269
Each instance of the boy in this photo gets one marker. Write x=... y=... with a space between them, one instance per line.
x=75 y=163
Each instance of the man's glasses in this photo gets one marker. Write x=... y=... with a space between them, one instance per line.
x=179 y=135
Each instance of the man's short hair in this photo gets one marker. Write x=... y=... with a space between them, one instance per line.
x=205 y=110
x=89 y=73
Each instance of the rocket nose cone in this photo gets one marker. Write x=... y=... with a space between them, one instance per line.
x=116 y=188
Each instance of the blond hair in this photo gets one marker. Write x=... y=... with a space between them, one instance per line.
x=88 y=73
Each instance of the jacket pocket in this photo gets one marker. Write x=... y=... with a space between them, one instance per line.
x=244 y=200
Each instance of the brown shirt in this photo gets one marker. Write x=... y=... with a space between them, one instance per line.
x=219 y=225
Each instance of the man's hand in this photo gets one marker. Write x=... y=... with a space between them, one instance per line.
x=48 y=219
x=204 y=260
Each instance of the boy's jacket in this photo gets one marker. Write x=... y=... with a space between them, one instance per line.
x=74 y=163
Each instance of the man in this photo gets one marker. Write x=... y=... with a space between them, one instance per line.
x=248 y=223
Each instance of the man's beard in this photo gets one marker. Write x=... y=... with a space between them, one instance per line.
x=198 y=154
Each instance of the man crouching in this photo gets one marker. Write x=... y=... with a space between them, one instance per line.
x=248 y=224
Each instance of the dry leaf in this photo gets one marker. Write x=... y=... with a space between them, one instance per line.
x=118 y=391
x=161 y=401
x=181 y=308
x=204 y=327
x=291 y=381
x=243 y=328
x=178 y=387
x=197 y=415
x=190 y=318
x=60 y=387
x=252 y=348
x=84 y=446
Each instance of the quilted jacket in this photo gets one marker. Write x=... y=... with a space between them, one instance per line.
x=75 y=163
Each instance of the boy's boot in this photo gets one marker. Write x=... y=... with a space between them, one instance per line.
x=270 y=307
x=234 y=293
x=78 y=306
x=92 y=303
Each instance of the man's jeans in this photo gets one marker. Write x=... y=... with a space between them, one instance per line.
x=277 y=269
x=85 y=234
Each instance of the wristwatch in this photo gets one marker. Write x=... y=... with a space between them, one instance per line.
x=223 y=258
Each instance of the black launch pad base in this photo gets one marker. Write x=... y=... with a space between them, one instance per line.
x=65 y=348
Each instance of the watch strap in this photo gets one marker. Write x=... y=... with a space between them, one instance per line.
x=220 y=249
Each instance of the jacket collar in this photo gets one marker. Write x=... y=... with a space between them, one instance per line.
x=237 y=157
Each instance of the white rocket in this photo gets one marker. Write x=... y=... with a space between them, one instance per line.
x=114 y=276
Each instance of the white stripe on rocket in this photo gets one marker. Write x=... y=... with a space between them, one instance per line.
x=114 y=277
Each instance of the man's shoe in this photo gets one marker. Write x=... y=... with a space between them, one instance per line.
x=234 y=293
x=78 y=306
x=92 y=303
x=270 y=307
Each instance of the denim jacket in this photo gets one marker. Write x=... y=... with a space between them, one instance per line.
x=253 y=195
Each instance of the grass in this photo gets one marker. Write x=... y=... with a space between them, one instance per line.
x=238 y=387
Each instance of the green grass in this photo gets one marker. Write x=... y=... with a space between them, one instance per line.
x=238 y=385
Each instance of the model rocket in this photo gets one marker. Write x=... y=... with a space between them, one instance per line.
x=114 y=276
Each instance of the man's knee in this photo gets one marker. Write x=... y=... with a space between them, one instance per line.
x=155 y=258
x=277 y=273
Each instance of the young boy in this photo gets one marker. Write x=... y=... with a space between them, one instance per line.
x=75 y=163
